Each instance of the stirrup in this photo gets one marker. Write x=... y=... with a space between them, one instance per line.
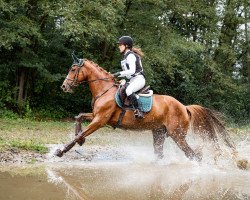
x=138 y=114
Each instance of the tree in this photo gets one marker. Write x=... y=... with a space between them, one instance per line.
x=196 y=51
x=27 y=31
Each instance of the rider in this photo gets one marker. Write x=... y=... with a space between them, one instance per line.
x=132 y=70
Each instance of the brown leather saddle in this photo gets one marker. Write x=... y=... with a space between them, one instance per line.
x=123 y=95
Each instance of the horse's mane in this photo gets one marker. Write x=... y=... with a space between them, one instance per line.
x=99 y=68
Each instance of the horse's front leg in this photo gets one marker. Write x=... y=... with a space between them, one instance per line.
x=96 y=123
x=78 y=126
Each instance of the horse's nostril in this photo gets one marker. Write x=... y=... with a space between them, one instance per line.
x=63 y=87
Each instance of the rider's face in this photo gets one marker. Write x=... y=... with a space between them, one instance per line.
x=122 y=48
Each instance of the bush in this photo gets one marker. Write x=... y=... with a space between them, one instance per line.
x=8 y=114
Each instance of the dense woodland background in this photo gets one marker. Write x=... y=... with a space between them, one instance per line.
x=197 y=51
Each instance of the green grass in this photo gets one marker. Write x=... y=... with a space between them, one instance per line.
x=24 y=145
x=36 y=131
x=32 y=135
x=29 y=145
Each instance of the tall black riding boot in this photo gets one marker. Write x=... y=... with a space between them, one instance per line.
x=134 y=101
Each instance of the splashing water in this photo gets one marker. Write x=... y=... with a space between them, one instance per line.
x=121 y=165
x=125 y=168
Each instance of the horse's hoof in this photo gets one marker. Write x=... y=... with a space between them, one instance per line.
x=160 y=156
x=196 y=157
x=242 y=164
x=199 y=156
x=58 y=153
x=79 y=116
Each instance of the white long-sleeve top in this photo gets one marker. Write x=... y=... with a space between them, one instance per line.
x=128 y=65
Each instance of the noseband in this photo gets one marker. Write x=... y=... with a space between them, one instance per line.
x=74 y=81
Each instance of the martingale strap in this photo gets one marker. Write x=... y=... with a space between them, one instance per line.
x=98 y=96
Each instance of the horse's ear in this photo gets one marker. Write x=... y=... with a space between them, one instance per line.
x=81 y=62
x=75 y=59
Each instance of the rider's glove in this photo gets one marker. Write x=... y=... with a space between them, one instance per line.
x=116 y=74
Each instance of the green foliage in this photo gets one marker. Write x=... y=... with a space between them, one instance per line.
x=193 y=49
x=8 y=114
x=6 y=93
x=28 y=111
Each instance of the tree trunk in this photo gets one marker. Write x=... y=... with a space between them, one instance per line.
x=247 y=60
x=21 y=89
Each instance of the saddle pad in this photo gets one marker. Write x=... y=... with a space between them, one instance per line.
x=145 y=103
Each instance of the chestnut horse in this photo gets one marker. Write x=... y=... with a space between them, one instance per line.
x=168 y=117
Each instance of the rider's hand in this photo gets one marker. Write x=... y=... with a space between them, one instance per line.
x=122 y=82
x=116 y=74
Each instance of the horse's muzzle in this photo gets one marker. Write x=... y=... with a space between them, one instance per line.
x=63 y=87
x=66 y=88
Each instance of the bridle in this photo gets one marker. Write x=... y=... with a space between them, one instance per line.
x=74 y=81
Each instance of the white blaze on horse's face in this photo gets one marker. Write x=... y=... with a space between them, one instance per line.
x=71 y=80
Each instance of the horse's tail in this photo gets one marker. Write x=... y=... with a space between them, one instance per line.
x=208 y=124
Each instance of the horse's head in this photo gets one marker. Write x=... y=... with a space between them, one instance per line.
x=75 y=75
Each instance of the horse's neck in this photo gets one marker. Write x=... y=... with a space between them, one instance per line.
x=96 y=84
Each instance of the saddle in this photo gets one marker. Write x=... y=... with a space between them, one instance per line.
x=145 y=101
x=144 y=96
x=145 y=91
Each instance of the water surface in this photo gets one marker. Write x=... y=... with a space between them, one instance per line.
x=122 y=166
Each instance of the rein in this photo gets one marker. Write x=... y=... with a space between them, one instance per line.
x=98 y=96
x=91 y=81
x=75 y=83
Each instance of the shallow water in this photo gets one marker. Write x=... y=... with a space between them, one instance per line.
x=122 y=166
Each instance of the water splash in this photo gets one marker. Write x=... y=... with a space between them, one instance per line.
x=53 y=177
x=125 y=168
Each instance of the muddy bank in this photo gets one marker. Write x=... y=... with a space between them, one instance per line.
x=17 y=156
x=78 y=154
x=101 y=145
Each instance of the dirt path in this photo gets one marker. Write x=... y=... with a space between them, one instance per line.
x=87 y=153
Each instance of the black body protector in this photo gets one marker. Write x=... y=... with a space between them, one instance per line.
x=138 y=64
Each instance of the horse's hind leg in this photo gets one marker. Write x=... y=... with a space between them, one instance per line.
x=183 y=145
x=217 y=149
x=159 y=136
x=178 y=135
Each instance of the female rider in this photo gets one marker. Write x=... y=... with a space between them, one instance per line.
x=132 y=70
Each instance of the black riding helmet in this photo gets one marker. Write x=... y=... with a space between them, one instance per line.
x=126 y=40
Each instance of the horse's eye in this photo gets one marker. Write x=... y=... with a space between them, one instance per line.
x=73 y=69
